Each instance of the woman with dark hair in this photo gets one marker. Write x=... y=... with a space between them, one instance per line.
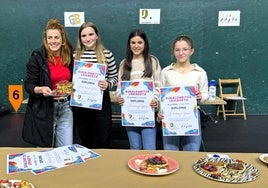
x=94 y=126
x=139 y=64
x=48 y=119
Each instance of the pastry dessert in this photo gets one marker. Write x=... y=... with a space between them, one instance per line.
x=25 y=184
x=154 y=163
x=64 y=87
x=234 y=169
x=212 y=166
x=222 y=168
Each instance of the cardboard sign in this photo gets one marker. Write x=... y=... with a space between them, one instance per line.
x=15 y=96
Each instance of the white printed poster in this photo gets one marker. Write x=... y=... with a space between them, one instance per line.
x=179 y=107
x=136 y=110
x=87 y=92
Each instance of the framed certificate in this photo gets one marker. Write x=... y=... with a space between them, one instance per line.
x=87 y=93
x=179 y=107
x=136 y=110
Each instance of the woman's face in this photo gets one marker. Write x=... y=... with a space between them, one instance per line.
x=182 y=51
x=54 y=41
x=137 y=45
x=89 y=38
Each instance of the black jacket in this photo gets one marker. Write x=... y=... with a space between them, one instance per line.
x=38 y=120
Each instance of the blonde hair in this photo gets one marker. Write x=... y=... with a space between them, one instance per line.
x=66 y=47
x=80 y=48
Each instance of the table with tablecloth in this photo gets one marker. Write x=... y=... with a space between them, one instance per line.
x=111 y=170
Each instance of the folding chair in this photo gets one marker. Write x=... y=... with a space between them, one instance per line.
x=231 y=92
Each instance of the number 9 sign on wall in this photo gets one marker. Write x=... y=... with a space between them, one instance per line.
x=15 y=96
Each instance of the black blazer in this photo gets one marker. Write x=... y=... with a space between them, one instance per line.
x=38 y=120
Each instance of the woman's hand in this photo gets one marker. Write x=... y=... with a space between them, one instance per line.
x=153 y=104
x=121 y=101
x=44 y=90
x=103 y=84
x=160 y=116
x=198 y=94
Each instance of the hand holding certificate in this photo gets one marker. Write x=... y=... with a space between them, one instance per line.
x=136 y=110
x=179 y=107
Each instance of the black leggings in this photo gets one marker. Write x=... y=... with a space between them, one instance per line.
x=94 y=126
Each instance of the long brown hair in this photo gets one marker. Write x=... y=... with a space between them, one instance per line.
x=80 y=48
x=66 y=47
x=148 y=71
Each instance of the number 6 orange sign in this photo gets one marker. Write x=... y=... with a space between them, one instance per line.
x=15 y=96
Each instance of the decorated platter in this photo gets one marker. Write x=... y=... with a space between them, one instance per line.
x=11 y=183
x=153 y=164
x=226 y=170
x=264 y=158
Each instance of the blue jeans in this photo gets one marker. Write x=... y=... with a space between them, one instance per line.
x=142 y=137
x=188 y=143
x=63 y=124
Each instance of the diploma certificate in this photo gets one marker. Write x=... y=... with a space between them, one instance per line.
x=86 y=92
x=39 y=162
x=136 y=110
x=179 y=107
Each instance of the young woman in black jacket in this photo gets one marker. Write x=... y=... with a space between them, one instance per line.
x=48 y=119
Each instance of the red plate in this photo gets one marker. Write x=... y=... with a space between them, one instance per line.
x=134 y=164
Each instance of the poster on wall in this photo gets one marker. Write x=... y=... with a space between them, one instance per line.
x=149 y=16
x=229 y=18
x=74 y=19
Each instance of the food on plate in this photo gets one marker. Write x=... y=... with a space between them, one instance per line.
x=216 y=163
x=25 y=184
x=6 y=183
x=235 y=166
x=226 y=170
x=154 y=163
x=265 y=158
x=222 y=168
x=64 y=87
x=211 y=165
x=234 y=169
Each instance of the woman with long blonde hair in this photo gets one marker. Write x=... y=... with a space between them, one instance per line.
x=94 y=126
